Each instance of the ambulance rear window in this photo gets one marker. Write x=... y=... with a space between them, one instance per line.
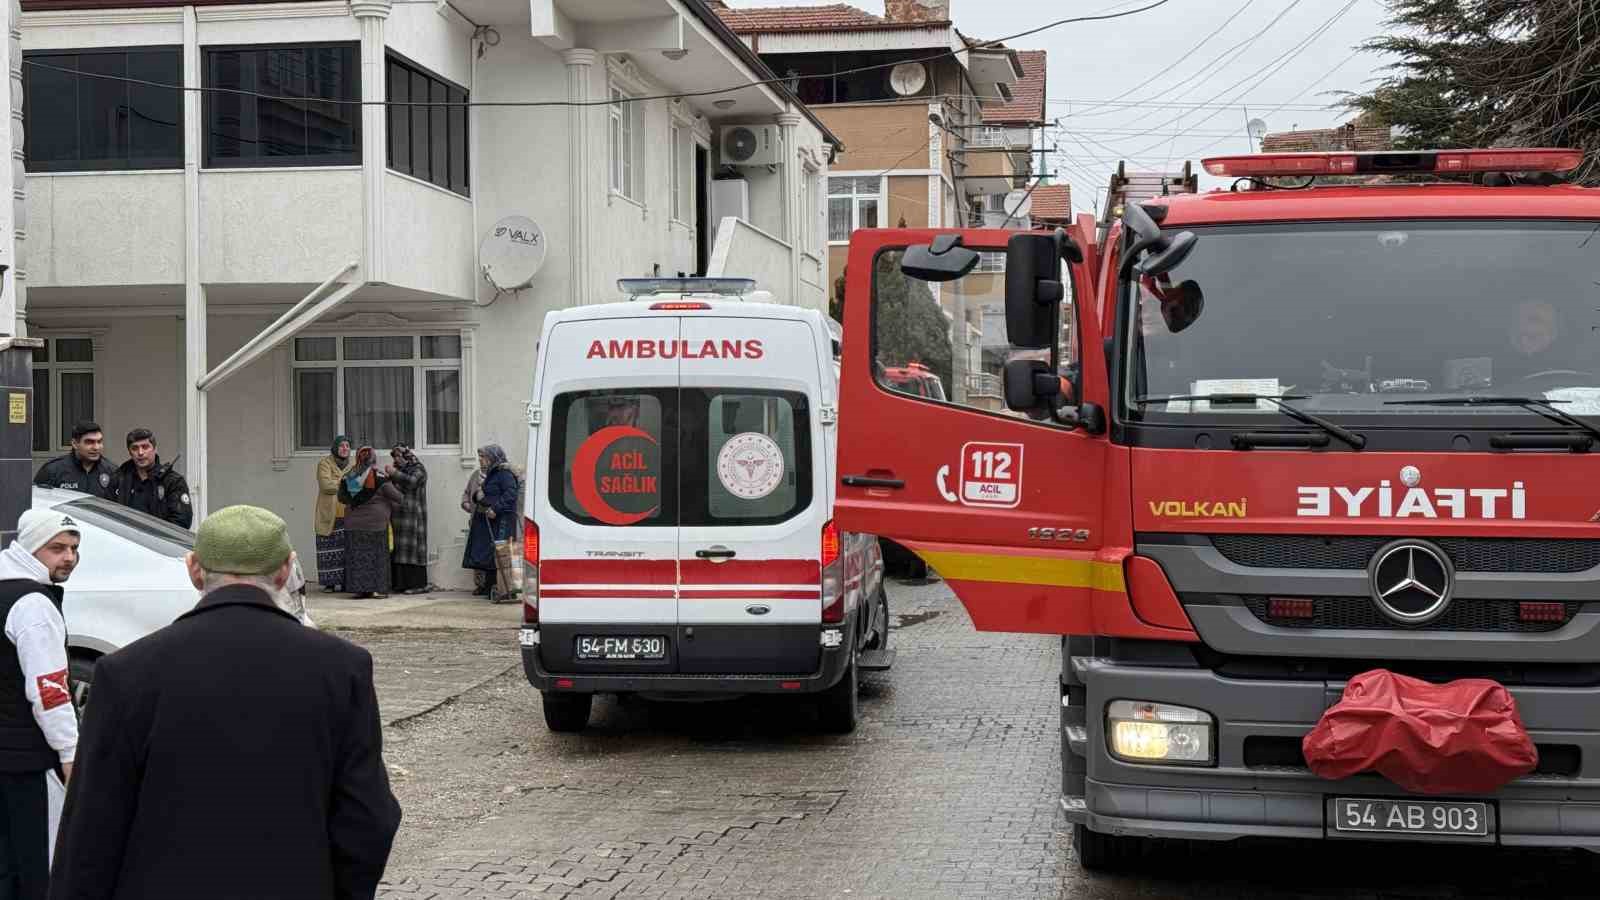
x=613 y=455
x=695 y=456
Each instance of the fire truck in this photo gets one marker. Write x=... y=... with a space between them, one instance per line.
x=1310 y=431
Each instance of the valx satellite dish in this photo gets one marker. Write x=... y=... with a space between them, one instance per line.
x=512 y=253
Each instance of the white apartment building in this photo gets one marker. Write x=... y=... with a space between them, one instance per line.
x=290 y=247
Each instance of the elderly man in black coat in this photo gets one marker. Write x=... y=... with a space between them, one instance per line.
x=234 y=753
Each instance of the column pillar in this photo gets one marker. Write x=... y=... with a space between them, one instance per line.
x=13 y=287
x=787 y=123
x=580 y=161
x=371 y=15
x=195 y=465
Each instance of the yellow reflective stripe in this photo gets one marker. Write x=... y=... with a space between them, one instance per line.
x=1004 y=569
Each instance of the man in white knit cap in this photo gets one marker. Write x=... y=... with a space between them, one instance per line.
x=38 y=727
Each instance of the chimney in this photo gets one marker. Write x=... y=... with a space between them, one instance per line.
x=917 y=10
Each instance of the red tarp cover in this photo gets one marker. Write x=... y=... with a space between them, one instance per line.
x=1464 y=737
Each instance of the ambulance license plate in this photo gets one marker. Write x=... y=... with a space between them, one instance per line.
x=612 y=646
x=1411 y=817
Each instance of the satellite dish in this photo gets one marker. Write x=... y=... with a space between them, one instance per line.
x=1257 y=128
x=512 y=253
x=908 y=78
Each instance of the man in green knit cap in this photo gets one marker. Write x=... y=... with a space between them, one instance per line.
x=233 y=723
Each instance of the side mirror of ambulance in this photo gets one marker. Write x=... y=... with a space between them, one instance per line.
x=943 y=260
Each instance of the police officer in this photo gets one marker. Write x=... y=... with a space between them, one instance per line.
x=150 y=486
x=84 y=467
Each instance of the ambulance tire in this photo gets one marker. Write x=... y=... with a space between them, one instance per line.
x=838 y=706
x=566 y=713
x=1098 y=852
x=880 y=634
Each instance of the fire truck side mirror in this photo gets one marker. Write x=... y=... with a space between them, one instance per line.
x=1030 y=384
x=1033 y=290
x=943 y=260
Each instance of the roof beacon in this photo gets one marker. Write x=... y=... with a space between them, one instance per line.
x=1442 y=162
x=635 y=288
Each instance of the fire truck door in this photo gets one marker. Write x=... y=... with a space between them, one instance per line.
x=1006 y=508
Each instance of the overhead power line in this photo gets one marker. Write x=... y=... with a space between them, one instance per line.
x=538 y=104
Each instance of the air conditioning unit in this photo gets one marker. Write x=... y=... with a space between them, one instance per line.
x=750 y=145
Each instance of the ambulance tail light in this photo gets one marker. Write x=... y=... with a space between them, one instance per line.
x=530 y=572
x=833 y=586
x=678 y=305
x=1441 y=162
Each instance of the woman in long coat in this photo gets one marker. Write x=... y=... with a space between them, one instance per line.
x=371 y=502
x=328 y=520
x=495 y=510
x=410 y=558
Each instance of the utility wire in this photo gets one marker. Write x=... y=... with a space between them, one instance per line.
x=1175 y=63
x=537 y=104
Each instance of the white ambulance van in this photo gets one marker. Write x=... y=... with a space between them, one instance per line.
x=679 y=536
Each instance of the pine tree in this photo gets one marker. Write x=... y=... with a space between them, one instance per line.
x=1492 y=73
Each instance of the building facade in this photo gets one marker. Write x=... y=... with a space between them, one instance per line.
x=330 y=228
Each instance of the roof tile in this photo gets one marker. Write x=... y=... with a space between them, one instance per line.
x=835 y=17
x=1052 y=203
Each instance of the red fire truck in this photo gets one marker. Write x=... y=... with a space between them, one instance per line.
x=1310 y=431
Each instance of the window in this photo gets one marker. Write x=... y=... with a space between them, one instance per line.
x=79 y=123
x=624 y=121
x=427 y=142
x=683 y=174
x=991 y=262
x=951 y=347
x=852 y=203
x=63 y=390
x=375 y=389
x=293 y=122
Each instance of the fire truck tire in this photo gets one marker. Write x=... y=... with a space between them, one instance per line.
x=567 y=712
x=839 y=706
x=1098 y=852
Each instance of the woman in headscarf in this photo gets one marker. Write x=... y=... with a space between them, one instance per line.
x=410 y=559
x=328 y=519
x=495 y=512
x=371 y=500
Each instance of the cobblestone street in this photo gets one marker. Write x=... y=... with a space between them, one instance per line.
x=947 y=789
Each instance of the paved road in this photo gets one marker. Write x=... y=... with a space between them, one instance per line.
x=948 y=789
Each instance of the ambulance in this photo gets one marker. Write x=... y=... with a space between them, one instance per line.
x=679 y=534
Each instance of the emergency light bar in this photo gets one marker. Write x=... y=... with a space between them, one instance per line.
x=1442 y=162
x=637 y=287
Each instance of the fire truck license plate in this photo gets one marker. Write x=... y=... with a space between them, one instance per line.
x=1411 y=817
x=621 y=647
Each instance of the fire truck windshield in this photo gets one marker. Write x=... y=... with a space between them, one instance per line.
x=1351 y=316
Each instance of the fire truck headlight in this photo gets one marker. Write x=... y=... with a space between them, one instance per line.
x=1148 y=732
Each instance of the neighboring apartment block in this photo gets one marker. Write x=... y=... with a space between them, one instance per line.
x=940 y=130
x=354 y=215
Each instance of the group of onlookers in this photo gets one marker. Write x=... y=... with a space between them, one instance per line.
x=372 y=522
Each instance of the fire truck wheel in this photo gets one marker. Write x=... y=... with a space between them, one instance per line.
x=567 y=712
x=1098 y=852
x=837 y=706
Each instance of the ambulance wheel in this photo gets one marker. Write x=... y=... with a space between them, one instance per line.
x=567 y=712
x=80 y=674
x=880 y=635
x=838 y=706
x=1098 y=852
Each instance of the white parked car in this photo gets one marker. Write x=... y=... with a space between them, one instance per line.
x=130 y=579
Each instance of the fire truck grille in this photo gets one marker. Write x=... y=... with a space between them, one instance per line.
x=1295 y=551
x=1463 y=615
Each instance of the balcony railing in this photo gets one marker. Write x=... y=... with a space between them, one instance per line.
x=983 y=384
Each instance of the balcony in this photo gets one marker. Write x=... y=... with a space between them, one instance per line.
x=984 y=384
x=988 y=170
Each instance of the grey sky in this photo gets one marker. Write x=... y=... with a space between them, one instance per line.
x=1100 y=60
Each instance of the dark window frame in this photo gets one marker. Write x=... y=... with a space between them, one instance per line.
x=454 y=174
x=211 y=97
x=31 y=130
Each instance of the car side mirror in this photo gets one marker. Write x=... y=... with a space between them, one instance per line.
x=1033 y=290
x=943 y=260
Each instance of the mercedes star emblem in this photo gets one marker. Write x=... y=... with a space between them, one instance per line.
x=1411 y=581
x=1410 y=476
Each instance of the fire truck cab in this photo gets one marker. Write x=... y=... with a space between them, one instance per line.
x=1307 y=433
